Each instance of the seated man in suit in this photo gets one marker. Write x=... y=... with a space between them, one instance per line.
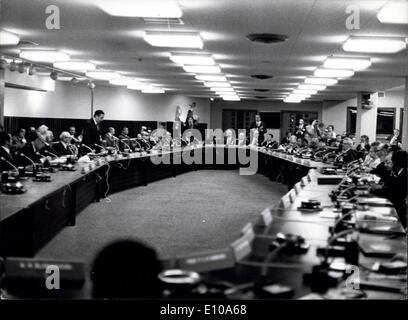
x=242 y=141
x=144 y=142
x=395 y=187
x=30 y=150
x=229 y=138
x=348 y=154
x=269 y=143
x=19 y=140
x=110 y=138
x=7 y=159
x=64 y=147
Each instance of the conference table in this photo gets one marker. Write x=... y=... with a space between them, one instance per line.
x=28 y=221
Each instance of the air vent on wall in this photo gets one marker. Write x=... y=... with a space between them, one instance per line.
x=381 y=94
x=267 y=37
x=261 y=76
x=164 y=21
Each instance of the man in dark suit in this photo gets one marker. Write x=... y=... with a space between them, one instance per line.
x=63 y=147
x=30 y=150
x=93 y=130
x=260 y=126
x=395 y=187
x=6 y=156
x=348 y=154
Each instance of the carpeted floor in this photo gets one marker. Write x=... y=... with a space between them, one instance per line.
x=193 y=212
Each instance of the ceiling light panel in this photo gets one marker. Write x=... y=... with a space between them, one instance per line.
x=102 y=75
x=335 y=62
x=75 y=65
x=123 y=81
x=209 y=77
x=374 y=44
x=202 y=69
x=50 y=56
x=333 y=73
x=192 y=59
x=323 y=81
x=8 y=38
x=141 y=8
x=174 y=39
x=217 y=84
x=394 y=12
x=316 y=87
x=304 y=91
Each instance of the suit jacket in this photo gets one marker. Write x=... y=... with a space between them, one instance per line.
x=349 y=156
x=92 y=134
x=270 y=144
x=30 y=151
x=61 y=150
x=8 y=156
x=261 y=130
x=111 y=141
x=395 y=190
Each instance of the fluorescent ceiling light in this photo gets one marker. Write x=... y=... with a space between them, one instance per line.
x=304 y=91
x=209 y=77
x=225 y=93
x=174 y=39
x=123 y=81
x=333 y=73
x=324 y=81
x=194 y=59
x=75 y=65
x=8 y=38
x=394 y=12
x=222 y=89
x=347 y=63
x=217 y=84
x=317 y=87
x=299 y=95
x=231 y=98
x=374 y=44
x=101 y=75
x=141 y=8
x=140 y=86
x=44 y=55
x=202 y=69
x=153 y=90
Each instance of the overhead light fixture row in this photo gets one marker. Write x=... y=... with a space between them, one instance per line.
x=321 y=81
x=174 y=39
x=102 y=75
x=316 y=87
x=395 y=12
x=75 y=65
x=210 y=77
x=202 y=69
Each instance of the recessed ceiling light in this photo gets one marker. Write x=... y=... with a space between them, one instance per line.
x=75 y=65
x=101 y=75
x=299 y=96
x=209 y=77
x=394 y=12
x=304 y=91
x=336 y=62
x=261 y=90
x=261 y=76
x=316 y=87
x=44 y=55
x=333 y=73
x=217 y=84
x=267 y=37
x=324 y=81
x=292 y=100
x=174 y=39
x=141 y=8
x=153 y=90
x=192 y=59
x=123 y=81
x=374 y=44
x=8 y=38
x=202 y=69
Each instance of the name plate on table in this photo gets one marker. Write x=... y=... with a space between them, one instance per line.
x=241 y=248
x=307 y=163
x=248 y=233
x=207 y=261
x=266 y=218
x=298 y=160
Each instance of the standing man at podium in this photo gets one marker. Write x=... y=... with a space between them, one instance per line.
x=93 y=130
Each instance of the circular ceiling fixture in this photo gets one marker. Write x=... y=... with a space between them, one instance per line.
x=261 y=90
x=261 y=76
x=267 y=37
x=260 y=97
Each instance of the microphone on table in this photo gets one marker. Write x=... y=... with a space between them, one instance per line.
x=9 y=163
x=50 y=153
x=99 y=146
x=84 y=145
x=29 y=159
